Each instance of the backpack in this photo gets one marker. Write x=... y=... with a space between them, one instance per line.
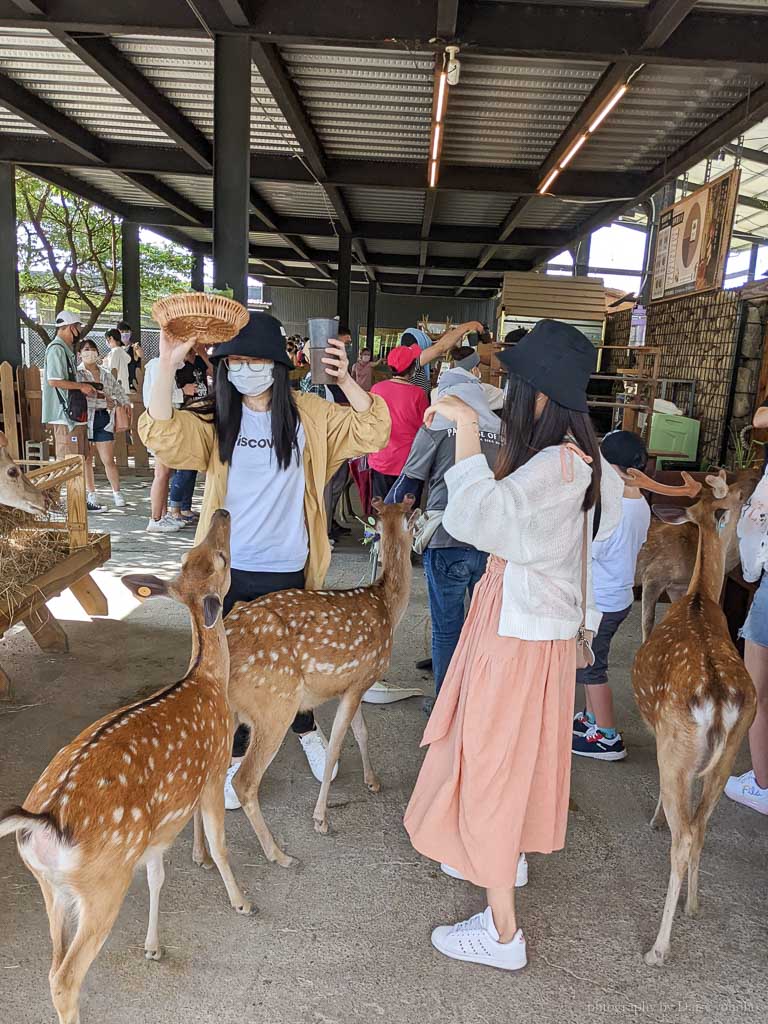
x=74 y=403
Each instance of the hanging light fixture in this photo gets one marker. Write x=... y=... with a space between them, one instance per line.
x=447 y=75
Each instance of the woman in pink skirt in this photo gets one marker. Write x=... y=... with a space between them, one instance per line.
x=496 y=777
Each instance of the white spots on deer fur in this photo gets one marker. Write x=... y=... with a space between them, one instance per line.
x=127 y=758
x=151 y=763
x=170 y=776
x=251 y=659
x=136 y=813
x=155 y=741
x=102 y=783
x=234 y=617
x=273 y=655
x=86 y=821
x=117 y=815
x=64 y=801
x=228 y=632
x=117 y=837
x=122 y=779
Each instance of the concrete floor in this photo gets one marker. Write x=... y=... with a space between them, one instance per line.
x=345 y=937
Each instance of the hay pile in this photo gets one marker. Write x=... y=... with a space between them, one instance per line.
x=26 y=552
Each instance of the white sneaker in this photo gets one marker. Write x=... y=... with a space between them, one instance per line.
x=745 y=790
x=380 y=693
x=520 y=880
x=164 y=525
x=230 y=796
x=477 y=941
x=118 y=499
x=92 y=502
x=316 y=747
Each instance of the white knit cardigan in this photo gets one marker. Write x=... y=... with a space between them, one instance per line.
x=533 y=520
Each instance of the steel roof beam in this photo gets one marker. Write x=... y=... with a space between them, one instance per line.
x=447 y=19
x=430 y=199
x=111 y=66
x=756 y=156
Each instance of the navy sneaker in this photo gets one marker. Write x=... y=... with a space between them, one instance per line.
x=594 y=744
x=581 y=723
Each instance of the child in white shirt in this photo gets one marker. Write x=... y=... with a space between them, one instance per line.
x=613 y=576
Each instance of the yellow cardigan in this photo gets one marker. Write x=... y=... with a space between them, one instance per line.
x=334 y=433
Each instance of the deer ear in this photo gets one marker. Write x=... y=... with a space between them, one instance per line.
x=671 y=516
x=142 y=586
x=211 y=610
x=377 y=504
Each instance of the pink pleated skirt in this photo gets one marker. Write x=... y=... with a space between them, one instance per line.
x=496 y=777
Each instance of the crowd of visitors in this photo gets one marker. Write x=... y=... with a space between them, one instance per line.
x=516 y=493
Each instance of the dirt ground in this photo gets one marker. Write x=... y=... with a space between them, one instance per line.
x=345 y=936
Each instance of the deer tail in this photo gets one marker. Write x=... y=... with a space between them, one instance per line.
x=716 y=723
x=716 y=739
x=16 y=819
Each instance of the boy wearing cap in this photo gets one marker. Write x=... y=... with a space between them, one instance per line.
x=60 y=377
x=613 y=576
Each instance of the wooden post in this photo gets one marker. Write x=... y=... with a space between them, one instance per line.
x=8 y=404
x=46 y=631
x=121 y=450
x=89 y=595
x=77 y=509
x=140 y=453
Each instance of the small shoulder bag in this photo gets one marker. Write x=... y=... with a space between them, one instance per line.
x=585 y=656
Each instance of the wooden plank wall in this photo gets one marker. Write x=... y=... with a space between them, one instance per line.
x=559 y=298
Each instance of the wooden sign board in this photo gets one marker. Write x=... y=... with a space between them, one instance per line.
x=553 y=296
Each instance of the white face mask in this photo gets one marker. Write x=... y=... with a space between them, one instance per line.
x=89 y=356
x=126 y=336
x=252 y=380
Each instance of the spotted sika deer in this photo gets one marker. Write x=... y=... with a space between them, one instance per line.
x=119 y=794
x=294 y=650
x=16 y=491
x=667 y=559
x=695 y=694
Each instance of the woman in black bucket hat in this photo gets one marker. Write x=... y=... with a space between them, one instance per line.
x=495 y=781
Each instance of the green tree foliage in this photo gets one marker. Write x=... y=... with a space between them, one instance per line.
x=69 y=256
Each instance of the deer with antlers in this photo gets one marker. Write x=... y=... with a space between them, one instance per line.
x=694 y=692
x=119 y=794
x=668 y=557
x=294 y=650
x=16 y=491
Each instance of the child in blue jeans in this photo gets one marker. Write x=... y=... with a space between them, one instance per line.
x=613 y=577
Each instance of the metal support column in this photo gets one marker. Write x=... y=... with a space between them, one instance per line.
x=231 y=162
x=370 y=329
x=753 y=261
x=131 y=276
x=10 y=335
x=344 y=279
x=198 y=272
x=581 y=257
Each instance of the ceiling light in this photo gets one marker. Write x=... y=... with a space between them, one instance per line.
x=573 y=151
x=548 y=181
x=608 y=108
x=433 y=174
x=436 y=142
x=442 y=96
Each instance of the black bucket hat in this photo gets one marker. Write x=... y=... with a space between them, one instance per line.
x=263 y=337
x=557 y=360
x=625 y=449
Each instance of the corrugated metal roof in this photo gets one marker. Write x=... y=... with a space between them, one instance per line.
x=550 y=212
x=391 y=247
x=481 y=209
x=116 y=186
x=470 y=251
x=198 y=190
x=261 y=238
x=295 y=200
x=385 y=204
x=663 y=109
x=44 y=66
x=366 y=103
x=509 y=113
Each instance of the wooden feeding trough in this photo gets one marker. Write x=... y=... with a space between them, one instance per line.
x=55 y=552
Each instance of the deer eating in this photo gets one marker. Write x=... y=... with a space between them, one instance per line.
x=16 y=491
x=119 y=794
x=294 y=650
x=695 y=694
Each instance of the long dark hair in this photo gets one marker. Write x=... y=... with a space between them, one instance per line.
x=228 y=411
x=523 y=435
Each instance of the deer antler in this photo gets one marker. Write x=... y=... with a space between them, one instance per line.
x=688 y=489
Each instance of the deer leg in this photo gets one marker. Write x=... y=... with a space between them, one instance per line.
x=259 y=756
x=58 y=909
x=200 y=854
x=155 y=879
x=97 y=914
x=344 y=715
x=652 y=591
x=659 y=817
x=212 y=810
x=360 y=731
x=676 y=797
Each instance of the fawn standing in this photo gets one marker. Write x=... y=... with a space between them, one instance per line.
x=695 y=694
x=296 y=649
x=120 y=793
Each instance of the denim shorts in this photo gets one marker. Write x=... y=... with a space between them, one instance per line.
x=755 y=629
x=100 y=422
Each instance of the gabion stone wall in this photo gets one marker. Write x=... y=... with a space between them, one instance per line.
x=754 y=331
x=698 y=338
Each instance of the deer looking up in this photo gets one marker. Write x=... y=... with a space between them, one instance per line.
x=120 y=793
x=693 y=691
x=666 y=560
x=16 y=491
x=296 y=649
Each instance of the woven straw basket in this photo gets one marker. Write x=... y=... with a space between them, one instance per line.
x=208 y=319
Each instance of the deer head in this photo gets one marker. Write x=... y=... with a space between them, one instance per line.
x=716 y=509
x=203 y=579
x=16 y=491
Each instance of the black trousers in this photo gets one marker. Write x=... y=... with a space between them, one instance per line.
x=247 y=586
x=381 y=484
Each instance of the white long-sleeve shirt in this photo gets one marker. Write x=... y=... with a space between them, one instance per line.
x=533 y=519
x=150 y=371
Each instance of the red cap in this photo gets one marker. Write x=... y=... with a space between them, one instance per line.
x=403 y=357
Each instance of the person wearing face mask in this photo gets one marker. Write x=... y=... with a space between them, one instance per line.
x=101 y=419
x=363 y=369
x=267 y=453
x=119 y=358
x=58 y=380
